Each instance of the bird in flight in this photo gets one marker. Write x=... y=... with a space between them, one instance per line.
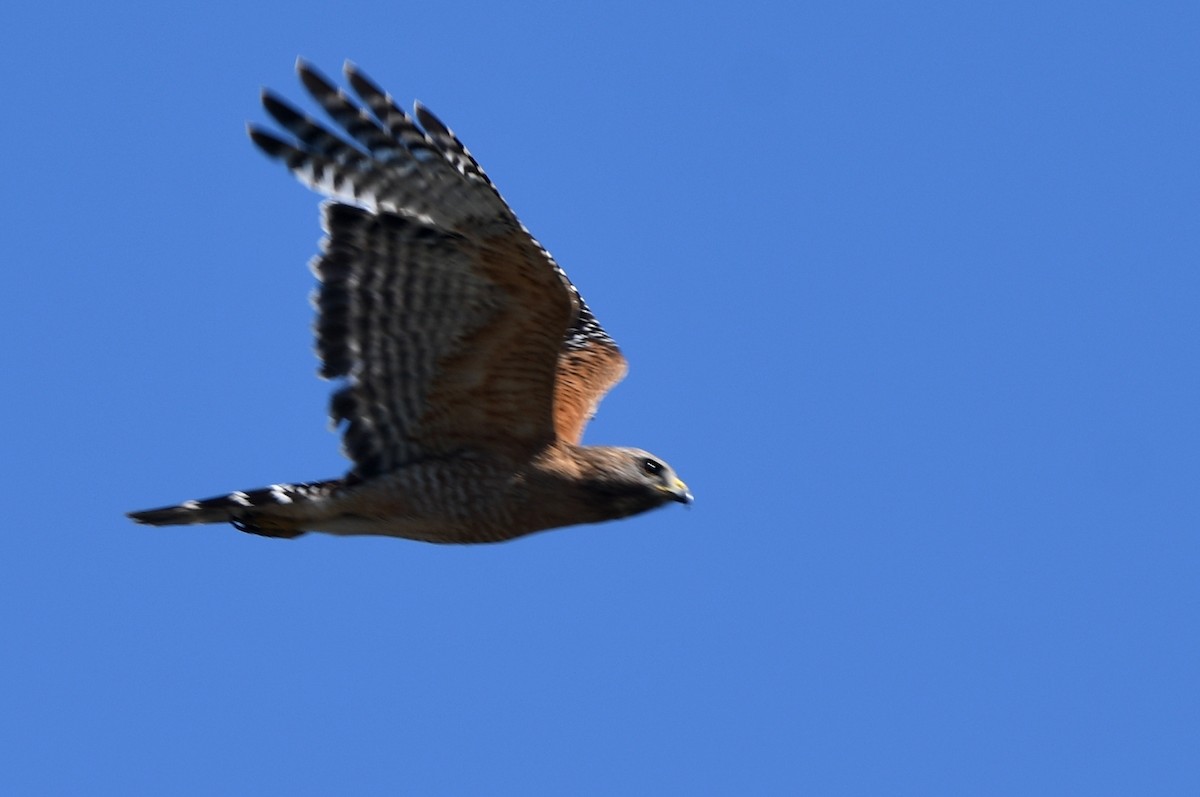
x=470 y=363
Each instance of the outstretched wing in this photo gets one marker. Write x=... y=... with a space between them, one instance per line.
x=589 y=365
x=446 y=318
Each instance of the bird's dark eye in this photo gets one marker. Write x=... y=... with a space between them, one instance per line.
x=652 y=467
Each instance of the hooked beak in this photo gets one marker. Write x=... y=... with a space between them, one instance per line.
x=679 y=492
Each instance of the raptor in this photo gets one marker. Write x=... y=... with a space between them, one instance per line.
x=468 y=363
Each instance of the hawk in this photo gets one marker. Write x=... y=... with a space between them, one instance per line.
x=470 y=362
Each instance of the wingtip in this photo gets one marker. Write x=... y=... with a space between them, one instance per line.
x=281 y=110
x=361 y=83
x=429 y=120
x=313 y=79
x=270 y=145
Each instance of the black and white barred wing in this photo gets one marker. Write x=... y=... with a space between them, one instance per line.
x=381 y=159
x=443 y=315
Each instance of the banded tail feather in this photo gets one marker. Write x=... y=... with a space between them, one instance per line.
x=263 y=511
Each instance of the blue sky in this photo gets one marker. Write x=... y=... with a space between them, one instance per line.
x=909 y=293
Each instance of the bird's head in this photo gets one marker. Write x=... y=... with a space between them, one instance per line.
x=626 y=481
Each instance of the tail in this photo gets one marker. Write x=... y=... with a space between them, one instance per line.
x=268 y=511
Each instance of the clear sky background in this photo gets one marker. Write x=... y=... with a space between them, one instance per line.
x=910 y=297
